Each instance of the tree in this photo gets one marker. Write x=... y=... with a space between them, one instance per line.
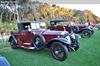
x=1 y=12
x=89 y=15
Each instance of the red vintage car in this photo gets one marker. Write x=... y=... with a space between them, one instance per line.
x=86 y=31
x=34 y=36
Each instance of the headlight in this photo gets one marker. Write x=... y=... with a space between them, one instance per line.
x=78 y=36
x=64 y=32
x=34 y=33
x=68 y=39
x=73 y=36
x=90 y=27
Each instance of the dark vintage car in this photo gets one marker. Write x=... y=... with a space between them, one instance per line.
x=86 y=31
x=35 y=36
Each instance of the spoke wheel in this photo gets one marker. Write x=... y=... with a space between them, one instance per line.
x=59 y=51
x=39 y=42
x=13 y=44
x=86 y=34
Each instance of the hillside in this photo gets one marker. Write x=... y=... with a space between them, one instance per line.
x=35 y=10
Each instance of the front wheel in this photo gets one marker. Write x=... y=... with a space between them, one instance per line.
x=59 y=51
x=86 y=34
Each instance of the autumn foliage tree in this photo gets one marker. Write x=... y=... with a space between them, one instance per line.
x=89 y=16
x=38 y=11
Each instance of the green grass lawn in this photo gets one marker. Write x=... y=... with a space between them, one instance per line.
x=87 y=55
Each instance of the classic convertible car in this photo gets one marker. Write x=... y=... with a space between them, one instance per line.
x=86 y=31
x=34 y=36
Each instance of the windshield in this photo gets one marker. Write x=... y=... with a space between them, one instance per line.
x=59 y=23
x=38 y=25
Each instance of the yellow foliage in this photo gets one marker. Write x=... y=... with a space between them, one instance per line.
x=60 y=11
x=98 y=18
x=45 y=9
x=89 y=16
x=69 y=12
x=64 y=11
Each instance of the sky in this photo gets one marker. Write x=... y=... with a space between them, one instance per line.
x=95 y=8
x=72 y=1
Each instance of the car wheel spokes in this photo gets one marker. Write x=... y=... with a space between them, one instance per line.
x=13 y=44
x=38 y=42
x=59 y=52
x=86 y=34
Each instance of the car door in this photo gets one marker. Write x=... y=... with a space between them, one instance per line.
x=27 y=37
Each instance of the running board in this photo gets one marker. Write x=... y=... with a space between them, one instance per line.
x=28 y=47
x=26 y=43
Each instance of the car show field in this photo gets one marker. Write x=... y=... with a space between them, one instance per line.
x=87 y=55
x=36 y=33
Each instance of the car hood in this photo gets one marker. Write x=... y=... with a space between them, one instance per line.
x=49 y=32
x=55 y=32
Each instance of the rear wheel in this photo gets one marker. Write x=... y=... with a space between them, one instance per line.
x=59 y=51
x=39 y=42
x=86 y=34
x=13 y=44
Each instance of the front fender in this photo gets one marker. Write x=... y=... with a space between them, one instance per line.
x=85 y=29
x=62 y=40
